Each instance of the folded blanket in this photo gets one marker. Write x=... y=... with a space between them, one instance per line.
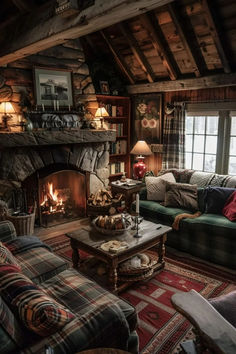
x=24 y=243
x=179 y=217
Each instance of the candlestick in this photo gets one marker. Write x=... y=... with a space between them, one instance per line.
x=69 y=107
x=54 y=104
x=137 y=203
x=42 y=107
x=58 y=105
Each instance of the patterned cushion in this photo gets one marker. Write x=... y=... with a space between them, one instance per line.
x=6 y=256
x=156 y=186
x=201 y=179
x=37 y=311
x=181 y=175
x=181 y=195
x=7 y=231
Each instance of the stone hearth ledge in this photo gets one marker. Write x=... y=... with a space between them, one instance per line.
x=46 y=137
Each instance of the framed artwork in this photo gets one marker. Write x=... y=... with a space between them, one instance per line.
x=53 y=86
x=148 y=118
x=104 y=87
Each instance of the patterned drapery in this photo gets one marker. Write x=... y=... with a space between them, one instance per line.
x=174 y=138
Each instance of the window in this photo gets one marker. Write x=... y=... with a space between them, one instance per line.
x=210 y=140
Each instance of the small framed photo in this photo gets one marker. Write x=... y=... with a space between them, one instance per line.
x=104 y=88
x=53 y=86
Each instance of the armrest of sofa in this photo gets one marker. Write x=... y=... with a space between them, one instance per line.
x=7 y=231
x=143 y=193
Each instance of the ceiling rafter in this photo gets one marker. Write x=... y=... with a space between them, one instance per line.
x=146 y=67
x=150 y=23
x=174 y=13
x=217 y=37
x=24 y=5
x=119 y=58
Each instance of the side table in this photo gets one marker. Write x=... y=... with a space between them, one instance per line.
x=127 y=191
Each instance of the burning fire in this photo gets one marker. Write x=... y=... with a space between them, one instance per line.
x=51 y=202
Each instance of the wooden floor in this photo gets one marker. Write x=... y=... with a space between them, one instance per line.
x=46 y=233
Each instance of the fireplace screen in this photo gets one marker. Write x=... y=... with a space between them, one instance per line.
x=62 y=197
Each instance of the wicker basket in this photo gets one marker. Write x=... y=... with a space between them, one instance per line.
x=24 y=225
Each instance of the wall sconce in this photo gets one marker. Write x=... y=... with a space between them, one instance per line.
x=101 y=112
x=6 y=109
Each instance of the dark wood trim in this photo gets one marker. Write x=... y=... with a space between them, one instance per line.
x=47 y=31
x=173 y=10
x=119 y=59
x=146 y=67
x=219 y=80
x=216 y=35
x=150 y=23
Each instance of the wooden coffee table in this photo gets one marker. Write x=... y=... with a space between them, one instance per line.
x=89 y=240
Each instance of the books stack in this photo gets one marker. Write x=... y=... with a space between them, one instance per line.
x=117 y=167
x=119 y=147
x=118 y=127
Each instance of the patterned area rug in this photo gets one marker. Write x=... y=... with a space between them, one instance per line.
x=161 y=329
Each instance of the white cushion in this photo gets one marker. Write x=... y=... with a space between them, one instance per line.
x=156 y=186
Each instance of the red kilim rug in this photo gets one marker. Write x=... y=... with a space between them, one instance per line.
x=161 y=329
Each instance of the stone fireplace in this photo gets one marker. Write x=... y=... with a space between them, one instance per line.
x=56 y=169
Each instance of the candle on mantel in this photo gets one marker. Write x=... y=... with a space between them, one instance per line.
x=54 y=104
x=69 y=107
x=42 y=107
x=137 y=203
x=58 y=105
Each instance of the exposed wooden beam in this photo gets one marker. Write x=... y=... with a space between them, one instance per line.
x=39 y=32
x=179 y=24
x=217 y=37
x=24 y=5
x=119 y=59
x=219 y=80
x=137 y=51
x=151 y=25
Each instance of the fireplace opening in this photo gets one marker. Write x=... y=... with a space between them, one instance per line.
x=62 y=197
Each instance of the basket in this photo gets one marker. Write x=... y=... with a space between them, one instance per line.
x=111 y=232
x=24 y=225
x=95 y=210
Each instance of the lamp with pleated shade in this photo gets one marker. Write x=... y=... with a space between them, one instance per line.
x=6 y=109
x=140 y=149
x=101 y=112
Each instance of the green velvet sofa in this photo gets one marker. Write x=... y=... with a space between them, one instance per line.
x=101 y=320
x=211 y=237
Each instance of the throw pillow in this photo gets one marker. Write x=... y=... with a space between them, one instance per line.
x=6 y=256
x=38 y=312
x=216 y=198
x=229 y=210
x=181 y=195
x=156 y=186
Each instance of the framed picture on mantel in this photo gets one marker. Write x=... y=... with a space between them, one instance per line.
x=53 y=88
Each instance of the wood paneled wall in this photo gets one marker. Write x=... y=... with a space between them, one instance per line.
x=154 y=162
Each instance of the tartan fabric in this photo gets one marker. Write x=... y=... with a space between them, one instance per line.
x=11 y=334
x=181 y=175
x=6 y=256
x=174 y=139
x=7 y=231
x=39 y=264
x=101 y=317
x=38 y=312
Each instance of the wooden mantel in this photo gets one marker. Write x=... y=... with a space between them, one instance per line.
x=44 y=137
x=39 y=31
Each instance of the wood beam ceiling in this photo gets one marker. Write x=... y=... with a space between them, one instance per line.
x=24 y=5
x=119 y=59
x=47 y=32
x=174 y=13
x=146 y=67
x=217 y=37
x=219 y=80
x=151 y=25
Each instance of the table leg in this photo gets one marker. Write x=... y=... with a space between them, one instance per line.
x=75 y=256
x=161 y=250
x=113 y=277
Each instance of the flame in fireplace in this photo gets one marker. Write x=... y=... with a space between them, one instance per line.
x=53 y=194
x=52 y=203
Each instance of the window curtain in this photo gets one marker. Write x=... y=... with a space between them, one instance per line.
x=174 y=137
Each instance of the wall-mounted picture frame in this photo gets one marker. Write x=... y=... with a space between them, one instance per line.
x=104 y=87
x=53 y=86
x=148 y=118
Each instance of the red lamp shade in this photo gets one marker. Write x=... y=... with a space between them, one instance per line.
x=139 y=168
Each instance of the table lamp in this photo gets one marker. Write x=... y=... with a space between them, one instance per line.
x=6 y=109
x=101 y=112
x=139 y=168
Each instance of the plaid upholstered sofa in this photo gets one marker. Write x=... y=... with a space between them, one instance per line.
x=101 y=319
x=211 y=237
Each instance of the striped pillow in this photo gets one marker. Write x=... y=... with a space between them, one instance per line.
x=38 y=312
x=6 y=256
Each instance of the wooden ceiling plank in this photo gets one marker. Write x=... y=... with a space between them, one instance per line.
x=187 y=44
x=146 y=67
x=219 y=80
x=24 y=5
x=119 y=59
x=45 y=32
x=158 y=45
x=208 y=13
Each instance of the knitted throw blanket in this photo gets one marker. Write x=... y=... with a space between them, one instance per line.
x=179 y=217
